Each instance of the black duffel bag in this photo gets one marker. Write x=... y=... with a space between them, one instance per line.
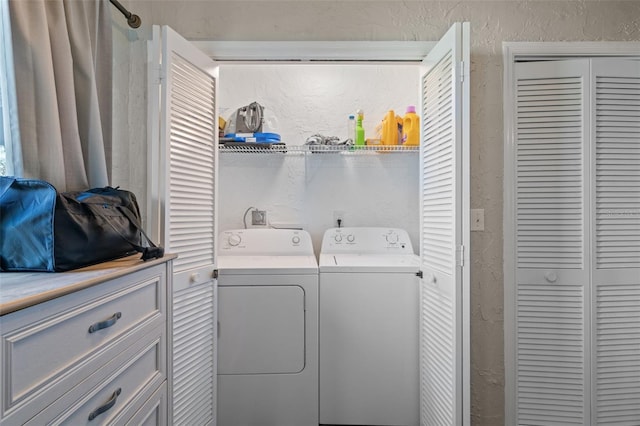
x=43 y=230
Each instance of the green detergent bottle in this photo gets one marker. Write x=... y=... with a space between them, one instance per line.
x=359 y=129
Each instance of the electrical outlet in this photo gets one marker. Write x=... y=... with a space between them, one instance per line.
x=338 y=218
x=259 y=217
x=477 y=219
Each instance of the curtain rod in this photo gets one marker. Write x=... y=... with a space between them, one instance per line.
x=134 y=21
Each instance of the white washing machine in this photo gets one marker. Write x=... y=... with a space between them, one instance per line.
x=369 y=373
x=268 y=328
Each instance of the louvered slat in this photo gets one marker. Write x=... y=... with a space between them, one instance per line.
x=549 y=170
x=192 y=154
x=438 y=168
x=550 y=347
x=192 y=355
x=617 y=160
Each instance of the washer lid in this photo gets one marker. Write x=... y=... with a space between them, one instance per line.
x=369 y=263
x=272 y=265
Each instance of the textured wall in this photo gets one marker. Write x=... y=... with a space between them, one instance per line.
x=492 y=22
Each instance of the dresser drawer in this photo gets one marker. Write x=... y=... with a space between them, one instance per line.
x=61 y=342
x=153 y=412
x=117 y=397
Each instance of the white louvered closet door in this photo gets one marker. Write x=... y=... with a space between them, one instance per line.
x=444 y=378
x=577 y=239
x=187 y=199
x=615 y=207
x=551 y=245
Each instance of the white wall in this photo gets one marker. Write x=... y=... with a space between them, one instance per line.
x=304 y=99
x=301 y=100
x=129 y=151
x=305 y=190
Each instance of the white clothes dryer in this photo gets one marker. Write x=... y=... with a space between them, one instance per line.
x=268 y=328
x=369 y=324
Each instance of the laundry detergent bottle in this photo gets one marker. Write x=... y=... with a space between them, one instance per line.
x=390 y=125
x=359 y=129
x=411 y=127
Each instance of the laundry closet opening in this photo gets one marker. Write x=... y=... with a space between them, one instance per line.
x=425 y=190
x=309 y=90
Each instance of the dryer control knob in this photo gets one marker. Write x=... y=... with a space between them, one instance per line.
x=295 y=240
x=338 y=238
x=392 y=238
x=351 y=238
x=234 y=240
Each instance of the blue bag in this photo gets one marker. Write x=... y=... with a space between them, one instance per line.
x=27 y=209
x=43 y=230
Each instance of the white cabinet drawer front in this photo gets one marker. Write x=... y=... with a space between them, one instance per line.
x=45 y=350
x=154 y=410
x=127 y=389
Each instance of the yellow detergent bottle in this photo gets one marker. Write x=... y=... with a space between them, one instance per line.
x=411 y=127
x=390 y=126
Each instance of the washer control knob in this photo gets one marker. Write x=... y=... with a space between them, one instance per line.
x=351 y=238
x=234 y=240
x=295 y=239
x=392 y=238
x=338 y=238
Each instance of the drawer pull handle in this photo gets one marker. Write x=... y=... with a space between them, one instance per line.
x=110 y=403
x=105 y=324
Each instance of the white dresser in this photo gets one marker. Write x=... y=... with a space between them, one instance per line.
x=87 y=346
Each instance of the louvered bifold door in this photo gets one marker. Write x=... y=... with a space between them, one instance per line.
x=615 y=208
x=551 y=244
x=444 y=195
x=188 y=198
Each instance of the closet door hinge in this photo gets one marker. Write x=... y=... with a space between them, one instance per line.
x=215 y=274
x=461 y=71
x=460 y=256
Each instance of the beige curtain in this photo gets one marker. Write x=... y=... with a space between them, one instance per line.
x=62 y=56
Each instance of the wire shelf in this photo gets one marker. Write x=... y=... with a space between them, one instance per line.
x=317 y=149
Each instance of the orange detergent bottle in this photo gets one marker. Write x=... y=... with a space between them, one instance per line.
x=411 y=127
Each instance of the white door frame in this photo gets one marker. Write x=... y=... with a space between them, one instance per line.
x=514 y=52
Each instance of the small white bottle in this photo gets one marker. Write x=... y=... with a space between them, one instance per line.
x=351 y=128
